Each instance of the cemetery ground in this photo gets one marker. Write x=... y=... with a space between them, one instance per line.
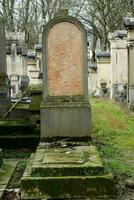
x=113 y=134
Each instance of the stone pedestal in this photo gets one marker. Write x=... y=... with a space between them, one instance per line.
x=69 y=172
x=119 y=64
x=131 y=75
x=129 y=24
x=103 y=72
x=15 y=89
x=65 y=119
x=131 y=97
x=33 y=70
x=38 y=48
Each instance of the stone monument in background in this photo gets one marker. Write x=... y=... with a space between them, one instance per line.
x=129 y=24
x=4 y=81
x=14 y=77
x=65 y=166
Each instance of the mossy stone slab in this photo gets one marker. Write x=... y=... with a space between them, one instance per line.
x=6 y=172
x=62 y=173
x=77 y=187
x=69 y=161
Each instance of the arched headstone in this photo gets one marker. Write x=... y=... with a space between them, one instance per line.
x=66 y=110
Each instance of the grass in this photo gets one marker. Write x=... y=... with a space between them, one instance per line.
x=113 y=133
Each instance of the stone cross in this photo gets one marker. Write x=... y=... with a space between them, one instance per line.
x=65 y=110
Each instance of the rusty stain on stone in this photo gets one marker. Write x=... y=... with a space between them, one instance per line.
x=65 y=60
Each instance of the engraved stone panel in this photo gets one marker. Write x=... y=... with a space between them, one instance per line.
x=65 y=60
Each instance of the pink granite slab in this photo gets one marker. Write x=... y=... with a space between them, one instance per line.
x=65 y=60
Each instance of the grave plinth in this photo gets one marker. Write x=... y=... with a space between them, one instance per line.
x=65 y=111
x=66 y=173
x=65 y=166
x=119 y=65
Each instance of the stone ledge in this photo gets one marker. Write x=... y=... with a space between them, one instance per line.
x=67 y=161
x=65 y=104
x=53 y=173
x=66 y=187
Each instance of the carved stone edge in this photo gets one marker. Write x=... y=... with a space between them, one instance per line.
x=47 y=28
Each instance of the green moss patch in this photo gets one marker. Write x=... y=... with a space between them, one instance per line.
x=67 y=187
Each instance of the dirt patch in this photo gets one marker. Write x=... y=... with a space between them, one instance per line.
x=115 y=123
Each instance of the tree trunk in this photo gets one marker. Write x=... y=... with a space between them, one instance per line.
x=104 y=43
x=94 y=42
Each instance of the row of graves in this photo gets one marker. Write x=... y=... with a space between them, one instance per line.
x=65 y=165
x=24 y=66
x=112 y=75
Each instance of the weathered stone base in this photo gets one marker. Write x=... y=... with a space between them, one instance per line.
x=36 y=97
x=19 y=133
x=65 y=119
x=131 y=106
x=4 y=94
x=66 y=173
x=131 y=97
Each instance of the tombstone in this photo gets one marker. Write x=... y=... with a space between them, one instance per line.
x=92 y=78
x=65 y=110
x=33 y=71
x=65 y=166
x=36 y=82
x=104 y=72
x=129 y=24
x=4 y=81
x=15 y=90
x=24 y=61
x=119 y=63
x=14 y=57
x=24 y=78
x=38 y=48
